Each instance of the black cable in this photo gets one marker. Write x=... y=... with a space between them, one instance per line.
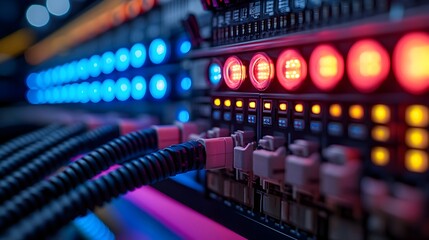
x=50 y=161
x=121 y=149
x=143 y=171
x=24 y=140
x=26 y=155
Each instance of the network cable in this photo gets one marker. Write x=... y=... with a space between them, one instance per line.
x=24 y=156
x=22 y=141
x=119 y=150
x=152 y=168
x=51 y=160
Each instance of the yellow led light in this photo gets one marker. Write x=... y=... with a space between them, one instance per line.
x=217 y=102
x=356 y=112
x=283 y=106
x=227 y=103
x=299 y=108
x=380 y=156
x=380 y=133
x=267 y=106
x=416 y=161
x=380 y=113
x=335 y=110
x=252 y=104
x=239 y=104
x=417 y=115
x=416 y=138
x=316 y=109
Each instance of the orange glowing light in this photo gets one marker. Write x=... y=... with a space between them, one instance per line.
x=291 y=69
x=252 y=104
x=283 y=106
x=368 y=64
x=261 y=71
x=267 y=106
x=411 y=62
x=234 y=72
x=299 y=108
x=326 y=67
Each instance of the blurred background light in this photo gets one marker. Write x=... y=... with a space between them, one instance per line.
x=108 y=62
x=107 y=90
x=122 y=59
x=58 y=7
x=37 y=15
x=123 y=89
x=158 y=51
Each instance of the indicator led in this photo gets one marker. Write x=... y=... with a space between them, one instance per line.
x=227 y=103
x=356 y=112
x=283 y=106
x=316 y=109
x=261 y=71
x=326 y=67
x=416 y=138
x=217 y=102
x=291 y=69
x=368 y=64
x=158 y=86
x=234 y=72
x=417 y=115
x=267 y=106
x=239 y=104
x=380 y=133
x=416 y=161
x=215 y=73
x=411 y=62
x=335 y=110
x=380 y=156
x=158 y=51
x=299 y=108
x=380 y=113
x=252 y=104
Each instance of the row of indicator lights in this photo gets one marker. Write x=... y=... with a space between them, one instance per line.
x=121 y=60
x=416 y=138
x=107 y=90
x=368 y=64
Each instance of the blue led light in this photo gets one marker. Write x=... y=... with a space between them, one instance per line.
x=65 y=93
x=71 y=72
x=55 y=94
x=122 y=59
x=158 y=51
x=32 y=96
x=158 y=86
x=138 y=87
x=63 y=73
x=31 y=81
x=45 y=79
x=48 y=96
x=215 y=74
x=55 y=76
x=186 y=83
x=183 y=116
x=185 y=47
x=40 y=80
x=107 y=90
x=123 y=89
x=108 y=62
x=73 y=93
x=94 y=66
x=83 y=92
x=40 y=95
x=82 y=69
x=138 y=55
x=94 y=92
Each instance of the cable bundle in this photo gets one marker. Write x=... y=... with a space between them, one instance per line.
x=136 y=173
x=27 y=154
x=15 y=144
x=121 y=149
x=51 y=160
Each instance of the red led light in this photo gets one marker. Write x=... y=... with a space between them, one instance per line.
x=368 y=65
x=234 y=72
x=326 y=67
x=411 y=62
x=261 y=71
x=291 y=69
